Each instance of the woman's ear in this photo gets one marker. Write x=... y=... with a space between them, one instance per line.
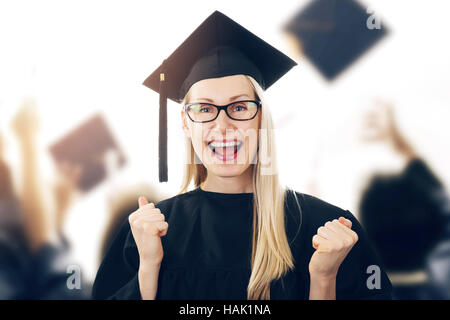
x=186 y=130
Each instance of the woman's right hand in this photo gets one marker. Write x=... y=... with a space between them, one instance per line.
x=148 y=226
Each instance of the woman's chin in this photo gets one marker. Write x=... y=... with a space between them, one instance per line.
x=227 y=169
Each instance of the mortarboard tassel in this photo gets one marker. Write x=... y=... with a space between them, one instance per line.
x=162 y=127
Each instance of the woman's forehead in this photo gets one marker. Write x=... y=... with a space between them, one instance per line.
x=222 y=90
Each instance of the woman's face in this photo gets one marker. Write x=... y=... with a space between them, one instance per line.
x=241 y=137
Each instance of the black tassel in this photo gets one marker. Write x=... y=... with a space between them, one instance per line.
x=163 y=176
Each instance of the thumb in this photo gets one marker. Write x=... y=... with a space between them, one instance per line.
x=142 y=201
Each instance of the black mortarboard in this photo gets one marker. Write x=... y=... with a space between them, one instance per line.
x=86 y=146
x=334 y=33
x=219 y=47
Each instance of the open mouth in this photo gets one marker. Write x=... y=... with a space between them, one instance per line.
x=225 y=150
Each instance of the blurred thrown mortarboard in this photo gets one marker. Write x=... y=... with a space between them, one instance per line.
x=333 y=34
x=219 y=47
x=88 y=146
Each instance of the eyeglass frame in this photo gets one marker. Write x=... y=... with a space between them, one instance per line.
x=223 y=107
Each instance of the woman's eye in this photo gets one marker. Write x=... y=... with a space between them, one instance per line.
x=199 y=108
x=205 y=109
x=239 y=107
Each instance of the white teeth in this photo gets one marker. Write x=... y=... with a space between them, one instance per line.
x=217 y=144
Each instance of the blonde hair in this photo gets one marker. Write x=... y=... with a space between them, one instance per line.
x=271 y=253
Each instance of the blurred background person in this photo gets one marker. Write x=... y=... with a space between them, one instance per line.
x=406 y=216
x=13 y=242
x=34 y=252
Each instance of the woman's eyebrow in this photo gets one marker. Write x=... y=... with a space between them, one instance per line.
x=239 y=96
x=231 y=99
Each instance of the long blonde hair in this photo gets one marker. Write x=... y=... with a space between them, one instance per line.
x=271 y=254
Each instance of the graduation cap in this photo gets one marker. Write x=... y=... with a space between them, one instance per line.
x=219 y=47
x=88 y=146
x=333 y=34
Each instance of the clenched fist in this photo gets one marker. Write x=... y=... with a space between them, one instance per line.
x=332 y=242
x=148 y=226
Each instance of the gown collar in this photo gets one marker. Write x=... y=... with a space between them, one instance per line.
x=228 y=199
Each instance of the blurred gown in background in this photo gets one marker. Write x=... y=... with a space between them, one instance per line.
x=407 y=218
x=25 y=274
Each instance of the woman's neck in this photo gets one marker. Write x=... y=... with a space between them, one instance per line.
x=239 y=184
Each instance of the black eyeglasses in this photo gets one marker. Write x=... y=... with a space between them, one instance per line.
x=205 y=112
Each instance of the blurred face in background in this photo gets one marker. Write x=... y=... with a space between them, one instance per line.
x=225 y=146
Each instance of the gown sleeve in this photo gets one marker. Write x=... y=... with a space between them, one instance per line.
x=12 y=270
x=117 y=277
x=361 y=275
x=420 y=175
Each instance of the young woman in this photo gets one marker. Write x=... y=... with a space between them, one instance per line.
x=239 y=234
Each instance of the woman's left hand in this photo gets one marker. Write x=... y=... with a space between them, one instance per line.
x=332 y=242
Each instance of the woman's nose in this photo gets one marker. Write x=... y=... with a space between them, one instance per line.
x=222 y=120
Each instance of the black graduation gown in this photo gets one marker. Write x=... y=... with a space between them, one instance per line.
x=207 y=252
x=403 y=215
x=25 y=274
x=407 y=218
